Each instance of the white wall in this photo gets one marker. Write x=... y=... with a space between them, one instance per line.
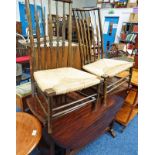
x=122 y=13
x=89 y=3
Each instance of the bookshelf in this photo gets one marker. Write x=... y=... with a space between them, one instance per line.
x=129 y=34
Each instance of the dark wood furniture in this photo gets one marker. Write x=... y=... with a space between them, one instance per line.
x=70 y=130
x=28 y=133
x=82 y=126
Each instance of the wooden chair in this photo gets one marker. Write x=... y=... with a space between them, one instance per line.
x=28 y=133
x=90 y=37
x=54 y=80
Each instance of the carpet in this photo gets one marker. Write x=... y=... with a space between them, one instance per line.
x=125 y=143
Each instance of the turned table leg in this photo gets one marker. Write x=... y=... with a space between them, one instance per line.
x=111 y=130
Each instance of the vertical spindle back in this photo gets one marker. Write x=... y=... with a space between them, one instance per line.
x=50 y=51
x=89 y=30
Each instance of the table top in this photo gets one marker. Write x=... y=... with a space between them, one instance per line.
x=75 y=129
x=28 y=133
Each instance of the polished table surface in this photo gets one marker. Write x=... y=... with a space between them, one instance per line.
x=28 y=133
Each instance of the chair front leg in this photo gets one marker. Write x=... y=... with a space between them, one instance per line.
x=98 y=95
x=49 y=115
x=105 y=91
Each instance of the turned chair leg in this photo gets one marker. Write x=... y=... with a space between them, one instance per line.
x=98 y=96
x=49 y=116
x=104 y=92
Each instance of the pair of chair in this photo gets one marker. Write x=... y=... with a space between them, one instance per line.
x=63 y=88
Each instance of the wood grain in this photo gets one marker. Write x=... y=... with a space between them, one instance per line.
x=19 y=27
x=51 y=57
x=123 y=115
x=129 y=109
x=81 y=126
x=131 y=97
x=26 y=125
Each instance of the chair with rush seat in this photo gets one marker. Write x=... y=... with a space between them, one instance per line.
x=55 y=83
x=88 y=24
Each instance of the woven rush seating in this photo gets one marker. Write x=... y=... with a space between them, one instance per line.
x=90 y=37
x=107 y=67
x=51 y=86
x=64 y=80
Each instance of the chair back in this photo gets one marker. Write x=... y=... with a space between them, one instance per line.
x=89 y=30
x=49 y=51
x=21 y=50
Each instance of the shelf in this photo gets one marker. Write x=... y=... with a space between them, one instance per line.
x=124 y=41
x=123 y=115
x=129 y=32
x=131 y=97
